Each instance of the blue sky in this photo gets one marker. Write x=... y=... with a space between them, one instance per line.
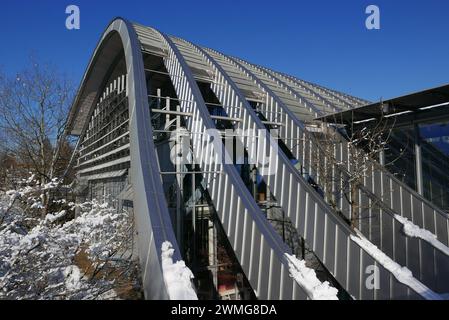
x=320 y=41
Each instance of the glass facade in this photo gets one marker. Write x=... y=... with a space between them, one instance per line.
x=400 y=156
x=436 y=135
x=433 y=140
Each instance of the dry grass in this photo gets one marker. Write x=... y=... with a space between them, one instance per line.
x=126 y=276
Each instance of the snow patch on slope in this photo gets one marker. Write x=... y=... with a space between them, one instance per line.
x=53 y=217
x=73 y=277
x=402 y=274
x=177 y=275
x=307 y=279
x=412 y=230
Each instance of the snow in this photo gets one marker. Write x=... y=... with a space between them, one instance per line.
x=40 y=257
x=12 y=194
x=177 y=276
x=54 y=217
x=37 y=205
x=31 y=179
x=402 y=274
x=62 y=201
x=412 y=230
x=72 y=276
x=307 y=279
x=51 y=185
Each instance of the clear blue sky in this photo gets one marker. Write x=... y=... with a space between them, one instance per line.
x=321 y=41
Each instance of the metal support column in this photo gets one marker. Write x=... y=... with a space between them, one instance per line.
x=213 y=263
x=254 y=179
x=179 y=178
x=159 y=100
x=194 y=219
x=418 y=161
x=167 y=107
x=382 y=157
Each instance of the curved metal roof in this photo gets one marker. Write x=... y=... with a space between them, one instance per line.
x=312 y=100
x=285 y=100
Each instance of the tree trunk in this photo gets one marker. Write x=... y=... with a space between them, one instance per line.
x=354 y=207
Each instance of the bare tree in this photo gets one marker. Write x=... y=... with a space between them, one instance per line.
x=63 y=256
x=345 y=158
x=33 y=107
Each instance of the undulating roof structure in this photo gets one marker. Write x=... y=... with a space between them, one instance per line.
x=144 y=91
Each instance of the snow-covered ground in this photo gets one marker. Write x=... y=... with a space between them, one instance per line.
x=60 y=256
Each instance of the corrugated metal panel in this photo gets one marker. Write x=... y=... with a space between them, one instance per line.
x=106 y=175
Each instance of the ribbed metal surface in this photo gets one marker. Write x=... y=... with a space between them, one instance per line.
x=258 y=248
x=152 y=220
x=425 y=261
x=395 y=194
x=310 y=211
x=289 y=103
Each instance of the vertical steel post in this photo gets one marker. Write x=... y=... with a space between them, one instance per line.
x=179 y=178
x=213 y=250
x=159 y=100
x=382 y=157
x=167 y=107
x=418 y=161
x=254 y=178
x=194 y=218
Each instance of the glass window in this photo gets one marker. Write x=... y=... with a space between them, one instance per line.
x=435 y=162
x=437 y=135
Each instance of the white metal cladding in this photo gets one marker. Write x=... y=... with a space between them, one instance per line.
x=426 y=262
x=309 y=97
x=260 y=251
x=286 y=102
x=335 y=105
x=330 y=100
x=397 y=195
x=352 y=101
x=153 y=225
x=111 y=109
x=231 y=100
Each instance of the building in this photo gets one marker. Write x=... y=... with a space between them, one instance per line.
x=418 y=151
x=258 y=187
